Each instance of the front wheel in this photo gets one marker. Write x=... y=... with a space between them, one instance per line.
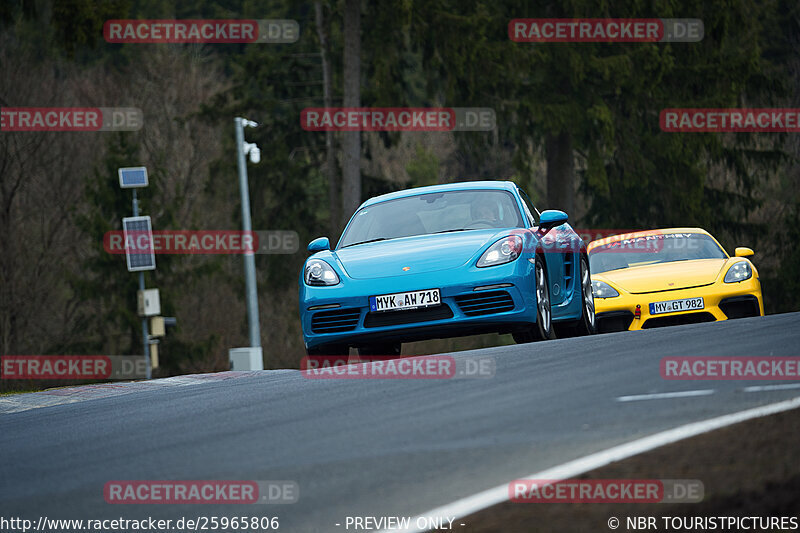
x=543 y=329
x=586 y=324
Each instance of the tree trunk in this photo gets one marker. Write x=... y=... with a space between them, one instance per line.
x=351 y=141
x=560 y=172
x=330 y=157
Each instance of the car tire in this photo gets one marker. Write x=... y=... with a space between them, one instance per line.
x=587 y=323
x=329 y=349
x=543 y=328
x=384 y=348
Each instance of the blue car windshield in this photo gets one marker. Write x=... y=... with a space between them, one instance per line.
x=652 y=249
x=430 y=213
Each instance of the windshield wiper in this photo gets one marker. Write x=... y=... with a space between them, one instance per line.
x=451 y=230
x=364 y=242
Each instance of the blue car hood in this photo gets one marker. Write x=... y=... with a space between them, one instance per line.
x=420 y=253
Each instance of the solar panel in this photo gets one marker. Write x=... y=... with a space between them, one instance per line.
x=132 y=177
x=139 y=250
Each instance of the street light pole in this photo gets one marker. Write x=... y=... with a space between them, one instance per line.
x=249 y=256
x=145 y=333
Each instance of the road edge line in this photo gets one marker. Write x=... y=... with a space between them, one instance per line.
x=499 y=494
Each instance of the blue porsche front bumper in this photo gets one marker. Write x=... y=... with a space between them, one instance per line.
x=473 y=300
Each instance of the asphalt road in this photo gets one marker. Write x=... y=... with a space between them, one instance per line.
x=374 y=447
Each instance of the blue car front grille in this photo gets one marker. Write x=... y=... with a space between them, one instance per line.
x=335 y=321
x=485 y=303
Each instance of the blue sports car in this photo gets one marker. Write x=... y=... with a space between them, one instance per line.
x=444 y=261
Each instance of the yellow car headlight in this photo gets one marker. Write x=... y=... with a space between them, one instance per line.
x=738 y=271
x=601 y=289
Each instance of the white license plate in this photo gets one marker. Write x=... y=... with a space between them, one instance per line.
x=405 y=300
x=674 y=306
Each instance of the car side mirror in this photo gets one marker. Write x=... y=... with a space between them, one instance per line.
x=743 y=251
x=319 y=244
x=550 y=219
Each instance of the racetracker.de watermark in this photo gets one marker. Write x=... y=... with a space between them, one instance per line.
x=200 y=492
x=72 y=367
x=70 y=119
x=606 y=491
x=202 y=31
x=730 y=368
x=744 y=120
x=592 y=234
x=201 y=242
x=398 y=119
x=381 y=367
x=604 y=30
x=566 y=240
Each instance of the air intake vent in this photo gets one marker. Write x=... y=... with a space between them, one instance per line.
x=396 y=318
x=740 y=306
x=569 y=274
x=485 y=303
x=612 y=321
x=335 y=321
x=678 y=320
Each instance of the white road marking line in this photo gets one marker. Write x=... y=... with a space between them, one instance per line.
x=60 y=396
x=664 y=395
x=482 y=500
x=782 y=386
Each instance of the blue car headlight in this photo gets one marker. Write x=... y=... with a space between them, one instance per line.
x=601 y=289
x=739 y=271
x=503 y=251
x=318 y=273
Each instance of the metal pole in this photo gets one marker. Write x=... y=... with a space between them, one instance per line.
x=145 y=332
x=249 y=257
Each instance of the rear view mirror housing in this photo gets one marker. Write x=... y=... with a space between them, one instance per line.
x=550 y=219
x=319 y=244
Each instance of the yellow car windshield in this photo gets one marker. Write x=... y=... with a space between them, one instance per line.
x=652 y=249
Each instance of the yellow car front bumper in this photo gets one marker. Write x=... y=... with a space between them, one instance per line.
x=722 y=301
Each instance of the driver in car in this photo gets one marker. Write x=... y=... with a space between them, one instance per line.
x=485 y=212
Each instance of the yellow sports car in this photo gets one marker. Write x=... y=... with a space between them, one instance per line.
x=667 y=277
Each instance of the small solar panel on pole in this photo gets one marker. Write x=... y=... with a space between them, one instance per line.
x=132 y=177
x=139 y=251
